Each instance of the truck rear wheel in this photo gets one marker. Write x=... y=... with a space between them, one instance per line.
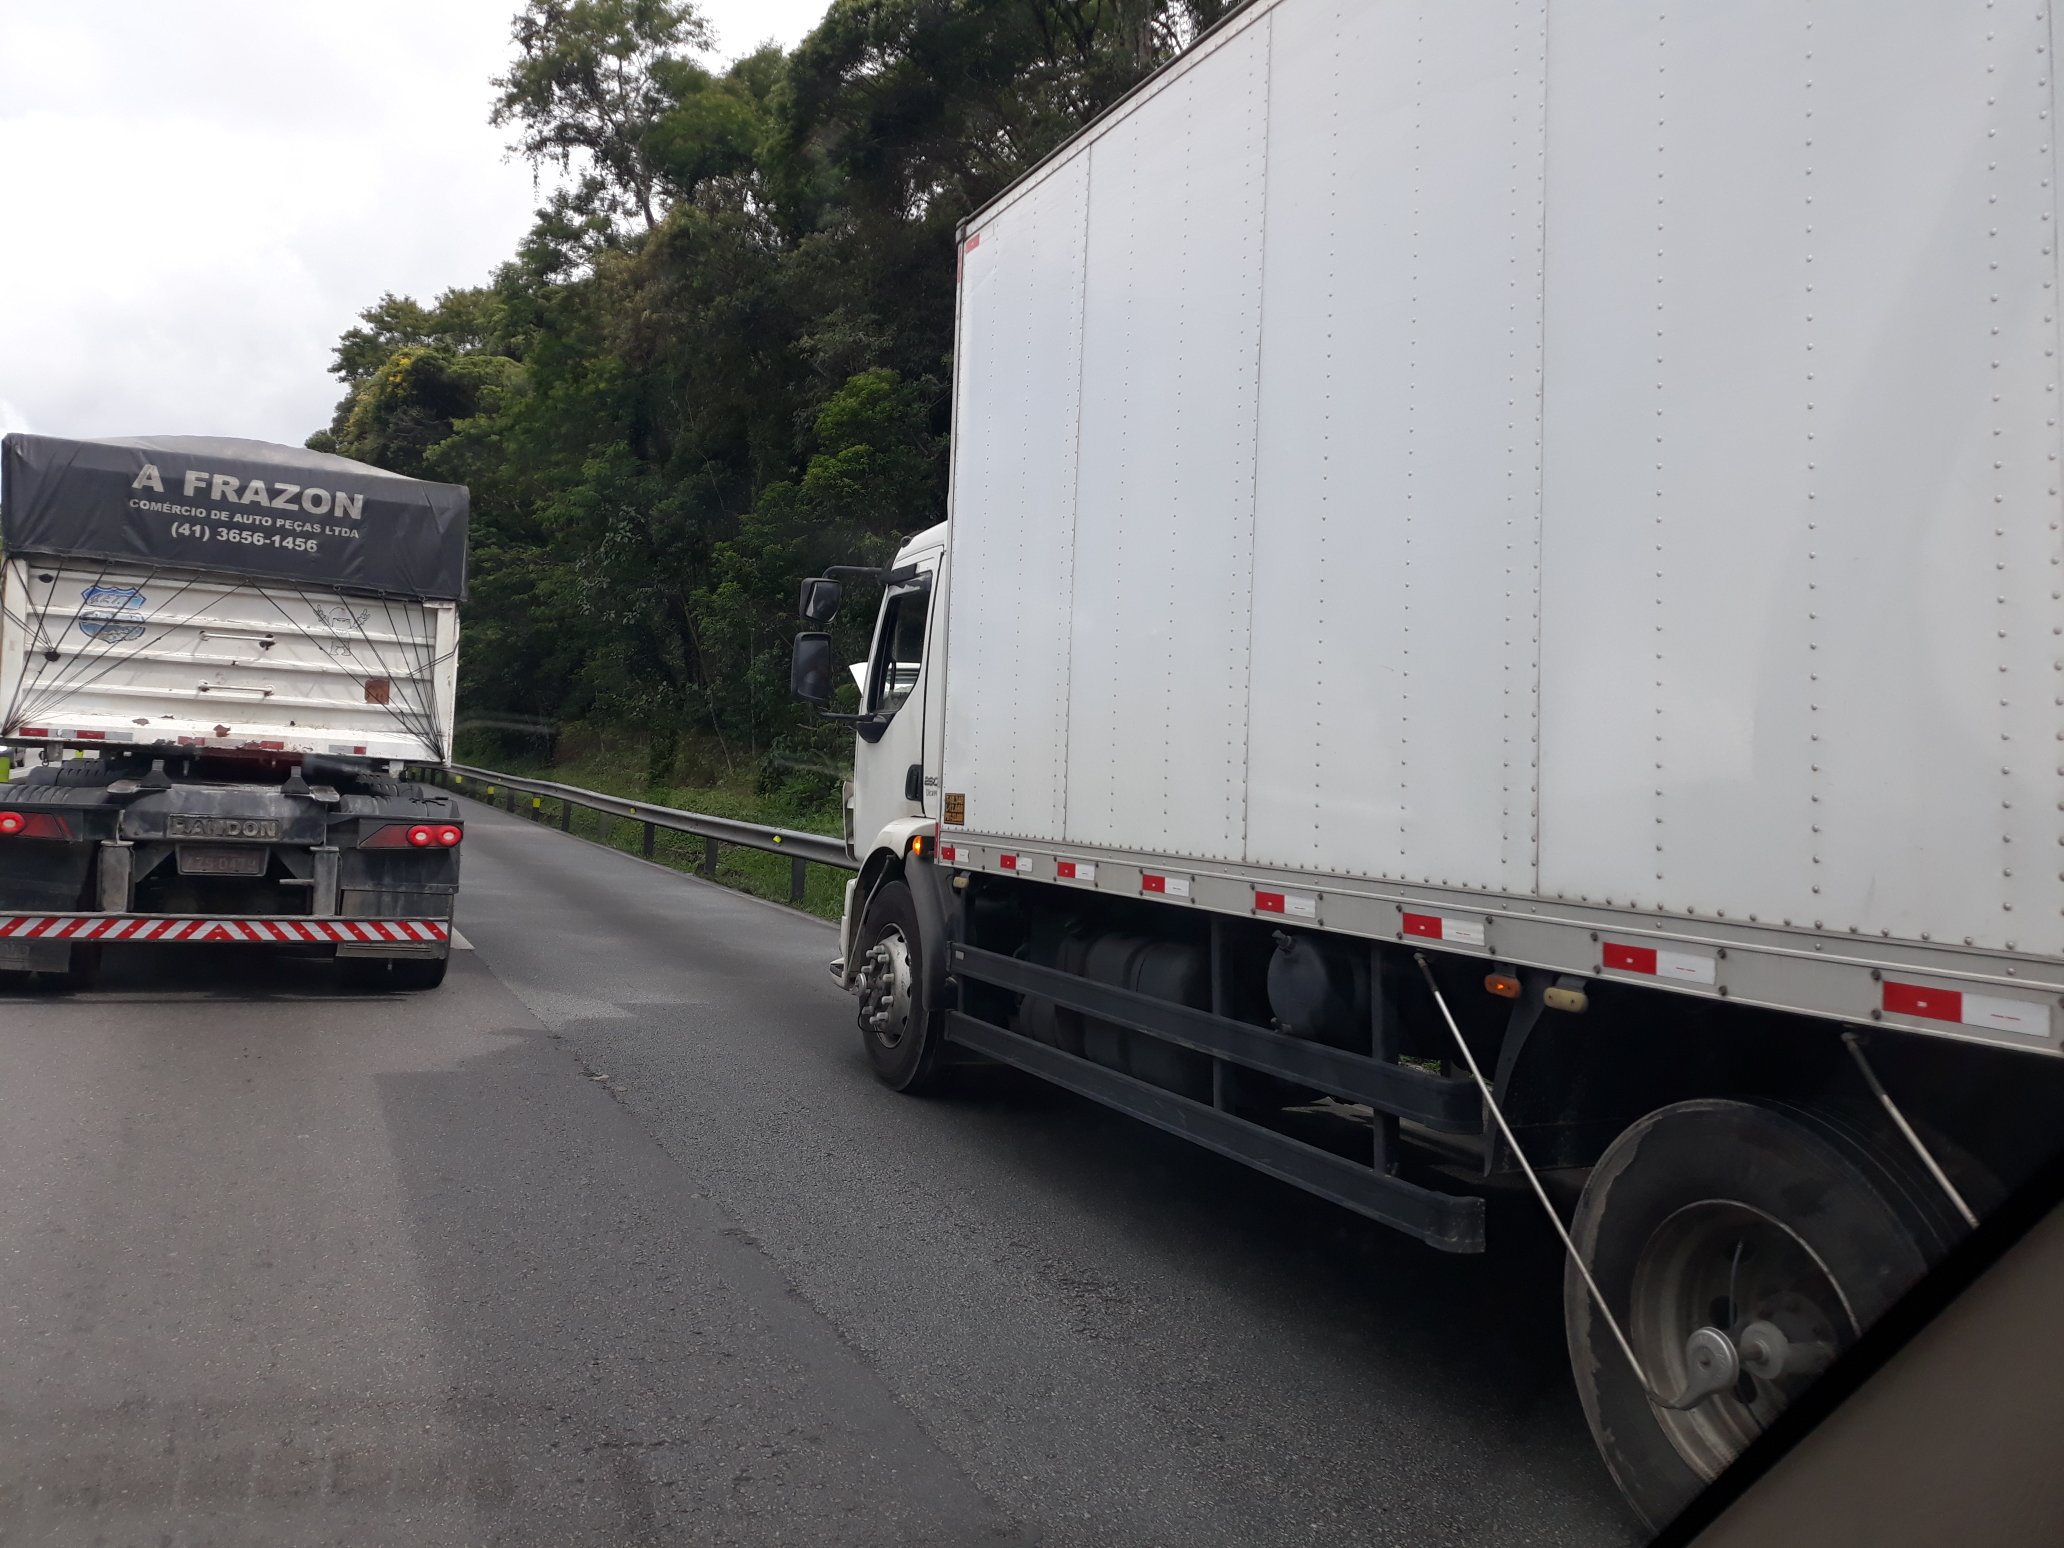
x=899 y=1030
x=1725 y=1213
x=82 y=969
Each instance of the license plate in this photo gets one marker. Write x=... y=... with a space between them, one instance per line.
x=204 y=860
x=178 y=825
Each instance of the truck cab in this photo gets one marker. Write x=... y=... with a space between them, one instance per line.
x=894 y=799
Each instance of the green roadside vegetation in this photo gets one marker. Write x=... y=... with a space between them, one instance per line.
x=718 y=361
x=696 y=780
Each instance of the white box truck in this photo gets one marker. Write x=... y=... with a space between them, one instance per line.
x=1544 y=516
x=224 y=653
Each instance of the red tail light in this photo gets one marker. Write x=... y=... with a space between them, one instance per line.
x=33 y=825
x=410 y=835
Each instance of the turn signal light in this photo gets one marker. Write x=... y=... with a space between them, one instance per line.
x=1503 y=985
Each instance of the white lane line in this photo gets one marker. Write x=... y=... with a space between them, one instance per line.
x=459 y=942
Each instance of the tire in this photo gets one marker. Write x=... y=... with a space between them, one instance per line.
x=82 y=969
x=393 y=974
x=1725 y=1212
x=906 y=1053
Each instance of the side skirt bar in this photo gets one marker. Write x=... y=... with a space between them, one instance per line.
x=1448 y=1104
x=1451 y=1222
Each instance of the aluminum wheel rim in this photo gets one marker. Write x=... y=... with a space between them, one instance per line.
x=1721 y=1264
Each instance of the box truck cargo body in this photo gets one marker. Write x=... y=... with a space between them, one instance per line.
x=224 y=652
x=1521 y=539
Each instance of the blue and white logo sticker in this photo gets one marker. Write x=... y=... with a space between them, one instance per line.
x=107 y=613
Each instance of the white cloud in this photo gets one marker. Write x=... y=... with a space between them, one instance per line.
x=743 y=25
x=200 y=198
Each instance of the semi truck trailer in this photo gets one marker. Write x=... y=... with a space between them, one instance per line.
x=1499 y=624
x=218 y=657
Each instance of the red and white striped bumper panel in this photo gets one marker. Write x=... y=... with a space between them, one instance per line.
x=155 y=927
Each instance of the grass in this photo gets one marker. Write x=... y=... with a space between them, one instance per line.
x=620 y=771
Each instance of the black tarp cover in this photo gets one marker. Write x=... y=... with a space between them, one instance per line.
x=246 y=507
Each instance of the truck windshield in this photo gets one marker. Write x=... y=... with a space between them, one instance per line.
x=899 y=652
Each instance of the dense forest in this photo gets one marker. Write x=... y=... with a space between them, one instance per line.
x=721 y=357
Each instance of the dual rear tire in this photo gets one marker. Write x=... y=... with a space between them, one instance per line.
x=1725 y=1213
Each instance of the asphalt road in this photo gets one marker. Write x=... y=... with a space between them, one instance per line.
x=612 y=1240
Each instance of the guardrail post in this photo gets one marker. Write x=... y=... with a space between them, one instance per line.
x=798 y=879
x=709 y=858
x=645 y=846
x=565 y=816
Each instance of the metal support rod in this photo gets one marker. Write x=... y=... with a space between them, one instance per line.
x=645 y=844
x=1855 y=1046
x=1541 y=1193
x=1384 y=1026
x=798 y=879
x=565 y=816
x=709 y=858
x=1221 y=1096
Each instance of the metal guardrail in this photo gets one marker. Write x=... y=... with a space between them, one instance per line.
x=803 y=849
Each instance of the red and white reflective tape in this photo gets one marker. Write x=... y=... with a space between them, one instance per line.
x=1021 y=864
x=1075 y=870
x=1162 y=885
x=1967 y=1009
x=1688 y=967
x=151 y=927
x=1291 y=905
x=948 y=853
x=1445 y=927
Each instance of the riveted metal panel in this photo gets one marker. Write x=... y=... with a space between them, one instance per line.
x=1158 y=681
x=1395 y=617
x=1799 y=500
x=1020 y=368
x=1796 y=631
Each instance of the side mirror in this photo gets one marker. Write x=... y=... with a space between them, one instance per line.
x=820 y=600
x=809 y=670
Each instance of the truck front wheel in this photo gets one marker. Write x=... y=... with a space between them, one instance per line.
x=1723 y=1214
x=899 y=1030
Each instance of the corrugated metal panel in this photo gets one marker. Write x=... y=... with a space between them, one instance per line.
x=145 y=656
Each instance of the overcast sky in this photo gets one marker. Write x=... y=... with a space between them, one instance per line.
x=197 y=198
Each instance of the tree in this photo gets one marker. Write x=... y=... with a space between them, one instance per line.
x=717 y=361
x=589 y=84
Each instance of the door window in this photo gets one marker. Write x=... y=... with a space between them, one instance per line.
x=900 y=653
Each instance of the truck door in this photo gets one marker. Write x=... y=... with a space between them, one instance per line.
x=888 y=766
